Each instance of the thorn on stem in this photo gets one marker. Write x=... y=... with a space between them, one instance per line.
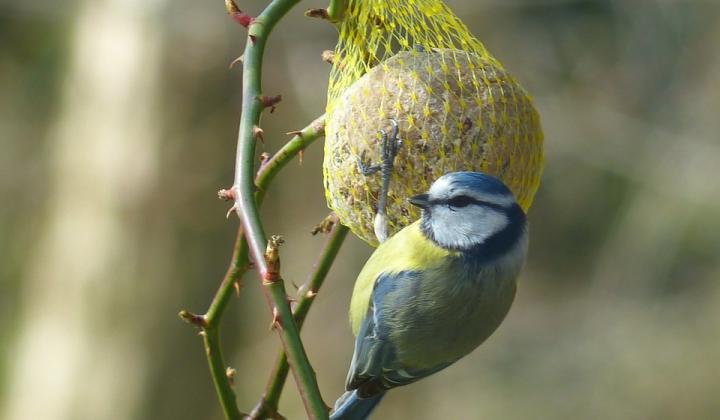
x=236 y=286
x=301 y=290
x=232 y=210
x=294 y=133
x=317 y=13
x=258 y=134
x=301 y=156
x=270 y=101
x=238 y=15
x=237 y=60
x=230 y=374
x=194 y=319
x=276 y=321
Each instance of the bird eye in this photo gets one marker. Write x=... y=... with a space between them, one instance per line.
x=460 y=201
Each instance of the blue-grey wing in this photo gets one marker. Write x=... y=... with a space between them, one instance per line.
x=375 y=367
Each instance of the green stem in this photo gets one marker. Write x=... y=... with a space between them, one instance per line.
x=238 y=266
x=245 y=205
x=268 y=405
x=211 y=338
x=264 y=178
x=336 y=10
x=239 y=263
x=211 y=331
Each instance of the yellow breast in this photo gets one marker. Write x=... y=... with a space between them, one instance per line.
x=407 y=250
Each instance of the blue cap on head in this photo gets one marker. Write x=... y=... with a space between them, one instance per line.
x=477 y=181
x=482 y=187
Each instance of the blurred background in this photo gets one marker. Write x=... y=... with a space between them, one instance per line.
x=117 y=126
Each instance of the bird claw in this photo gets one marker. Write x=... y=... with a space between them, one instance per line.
x=390 y=145
x=366 y=169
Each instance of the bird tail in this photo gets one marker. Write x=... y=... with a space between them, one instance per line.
x=351 y=407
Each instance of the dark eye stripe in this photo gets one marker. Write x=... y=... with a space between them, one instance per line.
x=460 y=201
x=464 y=201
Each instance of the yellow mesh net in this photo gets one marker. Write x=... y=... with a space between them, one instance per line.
x=457 y=109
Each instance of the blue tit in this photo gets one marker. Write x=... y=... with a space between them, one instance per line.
x=436 y=290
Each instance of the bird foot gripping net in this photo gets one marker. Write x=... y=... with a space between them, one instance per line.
x=415 y=62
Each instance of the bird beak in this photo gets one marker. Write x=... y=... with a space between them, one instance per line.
x=420 y=200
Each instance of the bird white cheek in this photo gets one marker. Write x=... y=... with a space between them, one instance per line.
x=466 y=228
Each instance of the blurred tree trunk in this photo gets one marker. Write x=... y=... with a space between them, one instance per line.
x=68 y=362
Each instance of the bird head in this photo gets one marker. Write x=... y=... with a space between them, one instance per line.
x=463 y=210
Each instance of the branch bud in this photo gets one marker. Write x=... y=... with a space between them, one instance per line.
x=194 y=319
x=270 y=101
x=226 y=195
x=326 y=225
x=264 y=158
x=328 y=56
x=238 y=15
x=317 y=13
x=272 y=258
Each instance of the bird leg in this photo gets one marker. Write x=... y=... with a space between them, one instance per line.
x=390 y=146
